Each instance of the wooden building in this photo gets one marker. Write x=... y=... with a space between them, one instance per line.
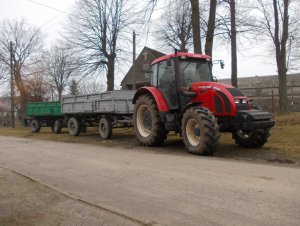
x=142 y=62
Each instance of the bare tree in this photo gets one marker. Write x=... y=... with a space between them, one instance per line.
x=27 y=41
x=37 y=86
x=60 y=66
x=276 y=21
x=176 y=29
x=94 y=30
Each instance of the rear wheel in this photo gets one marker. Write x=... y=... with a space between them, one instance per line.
x=148 y=128
x=251 y=138
x=200 y=131
x=57 y=126
x=105 y=128
x=74 y=126
x=35 y=126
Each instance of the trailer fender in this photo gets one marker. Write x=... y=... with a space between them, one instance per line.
x=156 y=94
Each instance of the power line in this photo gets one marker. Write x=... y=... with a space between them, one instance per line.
x=50 y=7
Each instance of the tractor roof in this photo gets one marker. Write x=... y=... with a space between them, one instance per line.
x=188 y=55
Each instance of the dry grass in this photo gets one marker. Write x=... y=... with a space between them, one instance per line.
x=283 y=145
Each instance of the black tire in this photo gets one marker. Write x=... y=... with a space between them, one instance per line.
x=35 y=126
x=74 y=126
x=252 y=138
x=57 y=126
x=105 y=128
x=148 y=128
x=200 y=131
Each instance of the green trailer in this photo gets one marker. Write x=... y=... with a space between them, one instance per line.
x=45 y=114
x=51 y=109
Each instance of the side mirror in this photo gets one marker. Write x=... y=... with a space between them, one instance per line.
x=222 y=64
x=215 y=79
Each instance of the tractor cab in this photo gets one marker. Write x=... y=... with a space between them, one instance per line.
x=176 y=72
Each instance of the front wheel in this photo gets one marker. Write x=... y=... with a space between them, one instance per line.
x=200 y=131
x=251 y=138
x=57 y=126
x=148 y=128
x=35 y=126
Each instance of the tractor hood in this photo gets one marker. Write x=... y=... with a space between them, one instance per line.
x=223 y=99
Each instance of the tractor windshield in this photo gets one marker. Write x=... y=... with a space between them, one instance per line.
x=195 y=71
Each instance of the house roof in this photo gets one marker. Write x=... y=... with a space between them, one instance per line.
x=146 y=56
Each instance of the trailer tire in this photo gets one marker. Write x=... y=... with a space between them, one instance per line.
x=35 y=126
x=105 y=128
x=251 y=139
x=57 y=126
x=147 y=125
x=200 y=131
x=74 y=126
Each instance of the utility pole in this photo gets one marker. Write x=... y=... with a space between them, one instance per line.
x=12 y=95
x=133 y=62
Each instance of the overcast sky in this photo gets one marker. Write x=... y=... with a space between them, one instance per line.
x=252 y=61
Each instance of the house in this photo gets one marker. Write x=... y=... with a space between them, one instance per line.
x=142 y=62
x=4 y=111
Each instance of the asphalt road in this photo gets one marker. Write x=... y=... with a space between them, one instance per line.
x=146 y=187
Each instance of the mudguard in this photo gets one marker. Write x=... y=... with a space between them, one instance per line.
x=156 y=94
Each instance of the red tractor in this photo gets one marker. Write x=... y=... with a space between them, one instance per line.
x=185 y=98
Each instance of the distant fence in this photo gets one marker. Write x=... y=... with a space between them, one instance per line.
x=267 y=98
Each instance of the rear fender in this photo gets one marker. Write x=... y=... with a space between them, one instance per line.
x=156 y=94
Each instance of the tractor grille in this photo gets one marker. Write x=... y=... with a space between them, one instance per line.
x=238 y=93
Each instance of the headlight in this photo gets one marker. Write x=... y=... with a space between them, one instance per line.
x=244 y=101
x=237 y=101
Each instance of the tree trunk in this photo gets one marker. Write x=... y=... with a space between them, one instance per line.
x=20 y=86
x=211 y=28
x=281 y=53
x=234 y=81
x=283 y=100
x=196 y=26
x=110 y=72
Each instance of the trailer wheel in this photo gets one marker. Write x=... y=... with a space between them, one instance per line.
x=35 y=126
x=74 y=126
x=200 y=131
x=105 y=128
x=251 y=138
x=57 y=126
x=148 y=128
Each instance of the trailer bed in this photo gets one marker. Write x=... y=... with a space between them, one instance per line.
x=111 y=102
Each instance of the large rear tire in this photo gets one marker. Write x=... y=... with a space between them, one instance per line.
x=200 y=131
x=252 y=138
x=105 y=128
x=148 y=128
x=35 y=126
x=74 y=126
